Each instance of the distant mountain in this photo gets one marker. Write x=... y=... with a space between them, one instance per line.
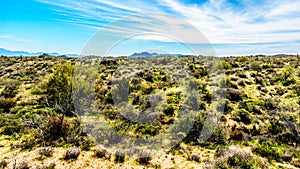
x=143 y=54
x=147 y=54
x=5 y=52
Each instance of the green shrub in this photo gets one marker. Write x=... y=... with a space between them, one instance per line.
x=285 y=137
x=194 y=133
x=265 y=66
x=11 y=88
x=59 y=89
x=256 y=66
x=7 y=103
x=86 y=142
x=173 y=98
x=45 y=152
x=243 y=59
x=222 y=64
x=28 y=142
x=169 y=110
x=198 y=73
x=268 y=150
x=11 y=123
x=147 y=129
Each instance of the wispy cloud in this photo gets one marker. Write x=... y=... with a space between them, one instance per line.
x=17 y=39
x=247 y=23
x=5 y=36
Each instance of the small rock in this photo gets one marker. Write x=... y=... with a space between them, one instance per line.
x=287 y=158
x=72 y=153
x=196 y=158
x=246 y=68
x=263 y=89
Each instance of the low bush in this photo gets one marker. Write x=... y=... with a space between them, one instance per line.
x=3 y=164
x=23 y=164
x=46 y=166
x=234 y=157
x=222 y=65
x=234 y=95
x=242 y=59
x=244 y=116
x=237 y=135
x=268 y=150
x=86 y=142
x=46 y=151
x=7 y=103
x=145 y=157
x=67 y=129
x=147 y=129
x=101 y=152
x=11 y=88
x=120 y=156
x=11 y=123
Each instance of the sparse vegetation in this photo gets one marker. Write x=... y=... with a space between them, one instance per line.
x=258 y=125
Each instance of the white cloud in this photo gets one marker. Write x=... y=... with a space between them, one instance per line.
x=231 y=26
x=250 y=23
x=5 y=36
x=17 y=39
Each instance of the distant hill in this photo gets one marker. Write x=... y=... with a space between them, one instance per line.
x=5 y=52
x=147 y=54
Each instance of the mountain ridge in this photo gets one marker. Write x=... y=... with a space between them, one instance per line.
x=6 y=52
x=147 y=54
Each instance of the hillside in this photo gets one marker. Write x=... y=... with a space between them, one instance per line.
x=258 y=124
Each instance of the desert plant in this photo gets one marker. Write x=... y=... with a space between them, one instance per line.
x=3 y=164
x=7 y=103
x=45 y=166
x=256 y=66
x=268 y=150
x=287 y=76
x=222 y=64
x=86 y=142
x=294 y=130
x=145 y=157
x=59 y=89
x=243 y=59
x=120 y=156
x=102 y=152
x=11 y=88
x=11 y=123
x=235 y=157
x=22 y=164
x=46 y=151
x=237 y=135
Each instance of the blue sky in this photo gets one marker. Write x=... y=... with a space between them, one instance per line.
x=232 y=27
